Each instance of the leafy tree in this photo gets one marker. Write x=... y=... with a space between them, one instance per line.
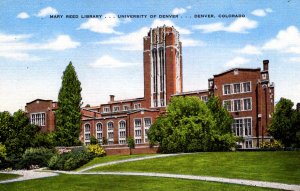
x=189 y=126
x=2 y=153
x=285 y=124
x=68 y=116
x=17 y=134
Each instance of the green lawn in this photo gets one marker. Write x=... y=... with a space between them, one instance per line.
x=111 y=158
x=4 y=176
x=267 y=166
x=65 y=182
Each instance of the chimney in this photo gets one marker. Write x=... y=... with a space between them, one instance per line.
x=266 y=65
x=112 y=98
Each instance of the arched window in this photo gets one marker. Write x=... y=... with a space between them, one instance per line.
x=122 y=132
x=99 y=133
x=87 y=133
x=110 y=133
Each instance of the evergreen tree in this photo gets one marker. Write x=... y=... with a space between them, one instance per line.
x=68 y=116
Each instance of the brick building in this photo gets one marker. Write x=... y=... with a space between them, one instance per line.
x=245 y=92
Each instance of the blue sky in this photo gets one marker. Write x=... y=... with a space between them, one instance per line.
x=107 y=53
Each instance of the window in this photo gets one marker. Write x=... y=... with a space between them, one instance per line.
x=106 y=110
x=248 y=144
x=137 y=123
x=125 y=108
x=110 y=133
x=87 y=133
x=122 y=132
x=247 y=104
x=237 y=105
x=162 y=102
x=137 y=106
x=204 y=98
x=246 y=87
x=138 y=131
x=147 y=125
x=227 y=105
x=238 y=127
x=116 y=108
x=226 y=89
x=248 y=126
x=236 y=88
x=242 y=127
x=99 y=132
x=155 y=102
x=138 y=141
x=38 y=119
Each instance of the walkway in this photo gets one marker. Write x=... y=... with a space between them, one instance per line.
x=28 y=175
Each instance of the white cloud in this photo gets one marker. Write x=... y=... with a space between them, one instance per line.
x=295 y=59
x=250 y=49
x=17 y=48
x=240 y=25
x=236 y=61
x=178 y=11
x=23 y=15
x=287 y=40
x=47 y=11
x=189 y=7
x=107 y=61
x=208 y=28
x=62 y=42
x=104 y=25
x=261 y=12
x=134 y=41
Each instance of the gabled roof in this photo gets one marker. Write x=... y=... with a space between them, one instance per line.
x=239 y=69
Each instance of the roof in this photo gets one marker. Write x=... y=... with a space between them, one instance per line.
x=191 y=92
x=124 y=100
x=240 y=69
x=46 y=100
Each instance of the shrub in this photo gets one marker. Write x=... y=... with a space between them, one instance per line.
x=2 y=153
x=71 y=160
x=36 y=157
x=130 y=142
x=93 y=140
x=97 y=150
x=273 y=144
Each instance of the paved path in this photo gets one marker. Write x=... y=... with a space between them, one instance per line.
x=130 y=160
x=27 y=175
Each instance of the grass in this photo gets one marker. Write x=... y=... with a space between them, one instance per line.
x=66 y=182
x=4 y=176
x=266 y=166
x=111 y=158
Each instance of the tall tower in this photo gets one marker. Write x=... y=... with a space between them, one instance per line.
x=162 y=66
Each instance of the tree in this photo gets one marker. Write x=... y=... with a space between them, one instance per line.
x=223 y=135
x=285 y=123
x=68 y=116
x=16 y=134
x=189 y=126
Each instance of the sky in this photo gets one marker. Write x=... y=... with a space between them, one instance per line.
x=107 y=52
